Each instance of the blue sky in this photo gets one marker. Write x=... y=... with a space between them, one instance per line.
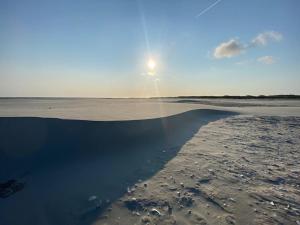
x=100 y=48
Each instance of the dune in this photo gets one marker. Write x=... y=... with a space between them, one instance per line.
x=240 y=170
x=67 y=164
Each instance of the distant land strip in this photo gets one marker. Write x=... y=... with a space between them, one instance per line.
x=180 y=97
x=239 y=97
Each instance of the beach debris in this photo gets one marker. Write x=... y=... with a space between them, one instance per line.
x=130 y=190
x=181 y=184
x=164 y=185
x=272 y=203
x=135 y=213
x=211 y=171
x=155 y=212
x=190 y=212
x=145 y=185
x=232 y=199
x=172 y=188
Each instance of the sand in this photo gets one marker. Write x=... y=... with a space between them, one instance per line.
x=196 y=164
x=136 y=109
x=239 y=170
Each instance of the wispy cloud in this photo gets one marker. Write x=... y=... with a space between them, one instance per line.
x=263 y=39
x=234 y=48
x=244 y=62
x=267 y=59
x=228 y=49
x=208 y=8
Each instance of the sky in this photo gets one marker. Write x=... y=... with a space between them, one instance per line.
x=144 y=48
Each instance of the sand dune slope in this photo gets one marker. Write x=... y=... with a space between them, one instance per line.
x=64 y=162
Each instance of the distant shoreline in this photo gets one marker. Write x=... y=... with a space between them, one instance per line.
x=286 y=97
x=240 y=97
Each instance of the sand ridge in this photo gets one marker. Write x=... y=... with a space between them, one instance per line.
x=64 y=163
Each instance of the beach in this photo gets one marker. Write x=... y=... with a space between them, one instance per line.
x=223 y=175
x=149 y=112
x=150 y=161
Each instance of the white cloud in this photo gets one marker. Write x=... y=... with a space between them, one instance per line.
x=266 y=59
x=233 y=47
x=266 y=37
x=228 y=49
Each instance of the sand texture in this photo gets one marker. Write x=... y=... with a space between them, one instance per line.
x=240 y=170
x=64 y=163
x=177 y=163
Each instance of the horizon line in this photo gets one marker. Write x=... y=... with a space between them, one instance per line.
x=156 y=97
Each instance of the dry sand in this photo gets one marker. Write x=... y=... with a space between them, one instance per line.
x=205 y=166
x=240 y=170
x=64 y=163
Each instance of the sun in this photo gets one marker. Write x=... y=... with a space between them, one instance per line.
x=151 y=64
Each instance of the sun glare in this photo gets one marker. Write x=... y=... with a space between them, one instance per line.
x=151 y=64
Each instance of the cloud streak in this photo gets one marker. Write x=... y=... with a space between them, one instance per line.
x=233 y=47
x=263 y=39
x=208 y=8
x=267 y=60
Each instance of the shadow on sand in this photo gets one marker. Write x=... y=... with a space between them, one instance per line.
x=64 y=162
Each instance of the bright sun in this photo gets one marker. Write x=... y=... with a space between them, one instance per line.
x=151 y=64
